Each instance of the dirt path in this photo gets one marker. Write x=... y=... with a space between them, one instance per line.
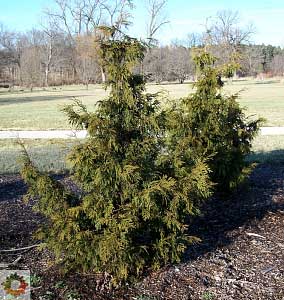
x=241 y=256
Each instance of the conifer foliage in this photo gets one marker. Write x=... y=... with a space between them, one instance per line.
x=135 y=191
x=212 y=124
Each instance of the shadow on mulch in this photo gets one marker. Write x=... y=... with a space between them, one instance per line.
x=12 y=187
x=218 y=227
x=250 y=204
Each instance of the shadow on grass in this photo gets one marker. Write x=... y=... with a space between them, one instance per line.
x=271 y=157
x=47 y=159
x=35 y=98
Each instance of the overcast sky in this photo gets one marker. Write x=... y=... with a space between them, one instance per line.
x=185 y=16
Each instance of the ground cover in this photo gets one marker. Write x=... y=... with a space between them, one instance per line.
x=40 y=109
x=50 y=155
x=240 y=256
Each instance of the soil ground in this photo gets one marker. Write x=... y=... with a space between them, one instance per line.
x=241 y=255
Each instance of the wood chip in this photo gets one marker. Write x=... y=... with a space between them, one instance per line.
x=255 y=235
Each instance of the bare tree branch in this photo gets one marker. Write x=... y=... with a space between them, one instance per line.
x=157 y=18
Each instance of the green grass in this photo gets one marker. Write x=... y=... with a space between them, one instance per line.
x=262 y=100
x=268 y=149
x=41 y=109
x=49 y=155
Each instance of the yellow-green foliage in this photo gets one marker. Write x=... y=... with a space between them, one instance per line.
x=136 y=192
x=212 y=124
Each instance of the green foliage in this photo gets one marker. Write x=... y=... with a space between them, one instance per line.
x=212 y=124
x=136 y=191
x=72 y=295
x=208 y=296
x=35 y=280
x=145 y=297
x=230 y=68
x=60 y=285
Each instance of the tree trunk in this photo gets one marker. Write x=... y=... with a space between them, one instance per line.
x=103 y=75
x=46 y=76
x=47 y=65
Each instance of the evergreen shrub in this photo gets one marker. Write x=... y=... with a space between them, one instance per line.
x=213 y=125
x=136 y=191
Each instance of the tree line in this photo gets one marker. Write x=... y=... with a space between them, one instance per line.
x=175 y=63
x=65 y=48
x=63 y=51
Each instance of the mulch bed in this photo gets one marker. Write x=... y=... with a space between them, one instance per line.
x=241 y=255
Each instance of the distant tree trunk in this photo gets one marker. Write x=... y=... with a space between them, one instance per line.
x=103 y=74
x=142 y=68
x=20 y=74
x=47 y=65
x=46 y=76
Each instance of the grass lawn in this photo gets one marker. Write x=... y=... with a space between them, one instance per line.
x=268 y=149
x=260 y=99
x=41 y=109
x=49 y=155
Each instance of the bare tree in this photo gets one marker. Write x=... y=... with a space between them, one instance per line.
x=51 y=50
x=277 y=65
x=168 y=63
x=80 y=18
x=32 y=74
x=156 y=18
x=117 y=14
x=226 y=29
x=193 y=40
x=75 y=17
x=49 y=40
x=87 y=65
x=181 y=65
x=252 y=60
x=13 y=44
x=155 y=64
x=85 y=17
x=225 y=37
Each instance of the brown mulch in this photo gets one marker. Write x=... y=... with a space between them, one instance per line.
x=241 y=255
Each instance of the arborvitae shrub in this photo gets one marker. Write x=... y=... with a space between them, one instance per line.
x=135 y=192
x=212 y=124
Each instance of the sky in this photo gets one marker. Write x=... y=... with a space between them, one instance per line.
x=185 y=16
